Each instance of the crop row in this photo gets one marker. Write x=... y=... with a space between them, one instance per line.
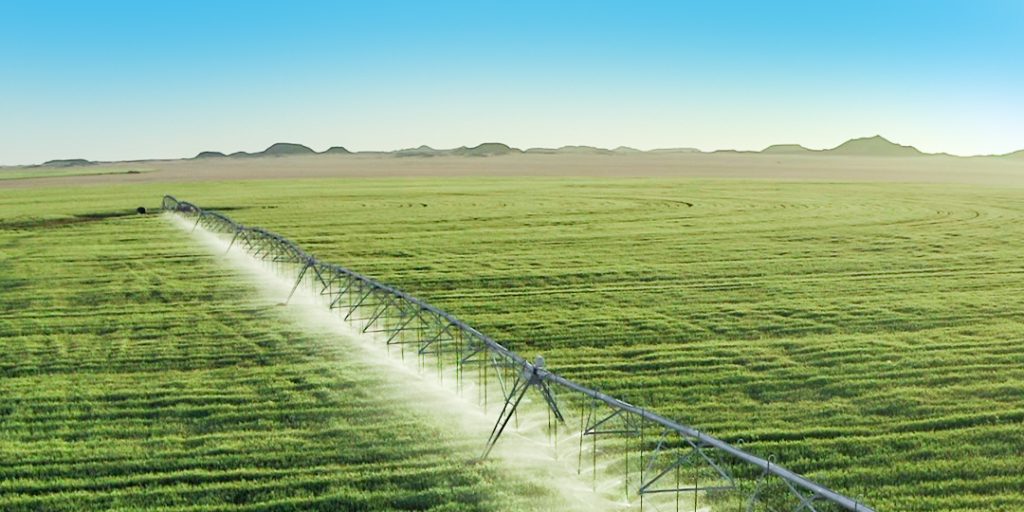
x=137 y=372
x=865 y=335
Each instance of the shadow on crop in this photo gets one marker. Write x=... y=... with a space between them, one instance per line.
x=27 y=224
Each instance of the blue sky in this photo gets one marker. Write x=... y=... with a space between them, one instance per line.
x=122 y=80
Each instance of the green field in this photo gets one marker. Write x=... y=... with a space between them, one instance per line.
x=866 y=335
x=138 y=372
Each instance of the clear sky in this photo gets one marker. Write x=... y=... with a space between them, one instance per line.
x=122 y=80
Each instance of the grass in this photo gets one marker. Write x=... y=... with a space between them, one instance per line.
x=866 y=335
x=137 y=372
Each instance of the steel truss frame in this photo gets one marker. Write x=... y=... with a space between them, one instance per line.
x=724 y=475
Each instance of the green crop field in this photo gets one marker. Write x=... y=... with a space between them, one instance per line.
x=866 y=335
x=137 y=372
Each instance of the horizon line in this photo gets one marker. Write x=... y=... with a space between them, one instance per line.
x=620 y=148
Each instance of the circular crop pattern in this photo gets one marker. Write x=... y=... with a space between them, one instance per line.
x=873 y=323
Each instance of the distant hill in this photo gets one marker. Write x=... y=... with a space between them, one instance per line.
x=786 y=149
x=486 y=149
x=286 y=149
x=70 y=162
x=574 y=150
x=210 y=154
x=278 y=149
x=420 y=151
x=865 y=146
x=873 y=146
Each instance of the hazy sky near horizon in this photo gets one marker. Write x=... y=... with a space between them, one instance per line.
x=111 y=80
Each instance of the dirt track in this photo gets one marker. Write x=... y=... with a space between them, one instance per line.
x=938 y=169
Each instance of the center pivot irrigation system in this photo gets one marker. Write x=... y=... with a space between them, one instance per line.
x=655 y=459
